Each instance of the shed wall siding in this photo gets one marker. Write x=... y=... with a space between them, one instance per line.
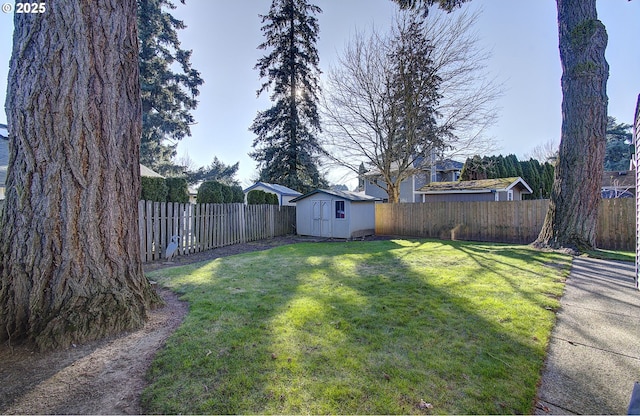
x=362 y=220
x=359 y=217
x=286 y=201
x=488 y=196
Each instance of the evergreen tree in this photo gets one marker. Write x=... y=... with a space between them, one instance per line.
x=286 y=144
x=168 y=97
x=217 y=171
x=362 y=171
x=548 y=178
x=501 y=167
x=538 y=177
x=474 y=169
x=514 y=166
x=619 y=150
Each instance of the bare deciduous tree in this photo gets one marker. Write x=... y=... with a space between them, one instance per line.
x=358 y=103
x=545 y=152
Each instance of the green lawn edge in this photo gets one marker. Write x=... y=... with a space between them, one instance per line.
x=394 y=327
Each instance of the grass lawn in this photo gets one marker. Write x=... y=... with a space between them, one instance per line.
x=385 y=327
x=612 y=255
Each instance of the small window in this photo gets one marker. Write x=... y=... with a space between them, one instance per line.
x=509 y=195
x=340 y=209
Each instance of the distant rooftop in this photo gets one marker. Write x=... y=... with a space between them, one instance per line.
x=280 y=189
x=477 y=185
x=348 y=195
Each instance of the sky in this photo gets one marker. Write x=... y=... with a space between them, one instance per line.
x=522 y=36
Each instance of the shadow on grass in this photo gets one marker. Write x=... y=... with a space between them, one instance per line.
x=373 y=327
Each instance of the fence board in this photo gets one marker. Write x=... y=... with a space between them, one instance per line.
x=203 y=227
x=505 y=221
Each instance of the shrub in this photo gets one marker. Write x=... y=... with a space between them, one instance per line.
x=227 y=194
x=210 y=192
x=178 y=190
x=258 y=197
x=272 y=199
x=153 y=189
x=238 y=194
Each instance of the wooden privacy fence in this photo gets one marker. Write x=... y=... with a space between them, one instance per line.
x=506 y=222
x=207 y=226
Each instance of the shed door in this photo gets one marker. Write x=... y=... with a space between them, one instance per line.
x=321 y=225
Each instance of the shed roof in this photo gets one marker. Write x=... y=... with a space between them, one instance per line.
x=478 y=186
x=279 y=189
x=348 y=195
x=145 y=171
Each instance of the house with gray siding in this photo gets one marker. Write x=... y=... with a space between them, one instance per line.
x=447 y=170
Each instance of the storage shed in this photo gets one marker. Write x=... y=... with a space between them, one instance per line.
x=335 y=214
x=501 y=189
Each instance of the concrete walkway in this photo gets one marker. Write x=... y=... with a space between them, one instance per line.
x=594 y=352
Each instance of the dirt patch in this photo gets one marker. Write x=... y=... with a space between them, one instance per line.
x=101 y=377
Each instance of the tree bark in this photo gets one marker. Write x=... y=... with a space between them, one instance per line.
x=572 y=217
x=70 y=268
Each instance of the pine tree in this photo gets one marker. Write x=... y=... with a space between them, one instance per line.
x=168 y=97
x=619 y=150
x=217 y=171
x=286 y=145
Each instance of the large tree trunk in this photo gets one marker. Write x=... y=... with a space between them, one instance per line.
x=572 y=217
x=70 y=267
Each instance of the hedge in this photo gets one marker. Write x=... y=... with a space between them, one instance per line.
x=212 y=192
x=259 y=197
x=178 y=190
x=153 y=189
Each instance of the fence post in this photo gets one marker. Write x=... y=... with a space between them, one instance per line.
x=141 y=232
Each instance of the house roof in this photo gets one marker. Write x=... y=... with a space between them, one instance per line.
x=478 y=186
x=350 y=196
x=279 y=189
x=624 y=179
x=423 y=164
x=145 y=171
x=445 y=165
